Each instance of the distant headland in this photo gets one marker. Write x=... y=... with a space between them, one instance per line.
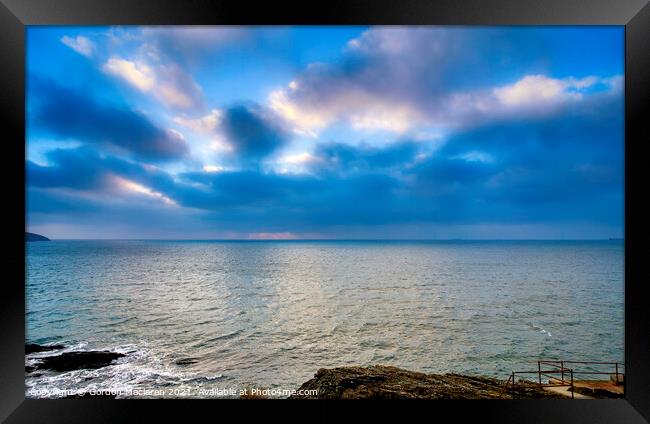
x=35 y=237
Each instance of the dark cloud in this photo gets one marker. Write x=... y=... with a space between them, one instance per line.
x=84 y=168
x=241 y=189
x=289 y=200
x=66 y=113
x=253 y=132
x=446 y=171
x=574 y=160
x=42 y=201
x=568 y=169
x=345 y=158
x=542 y=172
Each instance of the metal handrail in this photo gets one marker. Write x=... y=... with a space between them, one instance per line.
x=616 y=366
x=505 y=386
x=553 y=361
x=539 y=372
x=560 y=369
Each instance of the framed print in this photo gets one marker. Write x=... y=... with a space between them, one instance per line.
x=434 y=202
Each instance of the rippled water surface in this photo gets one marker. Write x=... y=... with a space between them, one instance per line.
x=269 y=314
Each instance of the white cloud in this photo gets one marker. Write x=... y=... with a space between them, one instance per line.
x=540 y=89
x=398 y=80
x=360 y=109
x=138 y=74
x=530 y=96
x=80 y=44
x=305 y=122
x=173 y=96
x=213 y=168
x=219 y=144
x=204 y=125
x=177 y=88
x=168 y=83
x=299 y=159
x=381 y=116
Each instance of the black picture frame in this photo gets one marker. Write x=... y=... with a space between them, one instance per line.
x=15 y=15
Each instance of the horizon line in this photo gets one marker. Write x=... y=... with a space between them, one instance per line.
x=340 y=239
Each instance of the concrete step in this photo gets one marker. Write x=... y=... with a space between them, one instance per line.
x=564 y=391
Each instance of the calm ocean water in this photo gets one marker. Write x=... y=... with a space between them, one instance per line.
x=270 y=314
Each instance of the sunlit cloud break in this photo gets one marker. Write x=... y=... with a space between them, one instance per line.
x=133 y=187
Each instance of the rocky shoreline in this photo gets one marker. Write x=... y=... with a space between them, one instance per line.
x=69 y=361
x=353 y=382
x=386 y=382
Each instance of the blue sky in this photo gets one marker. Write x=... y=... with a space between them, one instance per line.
x=325 y=132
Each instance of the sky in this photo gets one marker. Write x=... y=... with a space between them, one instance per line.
x=325 y=132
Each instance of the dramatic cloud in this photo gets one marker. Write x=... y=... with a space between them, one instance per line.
x=160 y=65
x=252 y=132
x=397 y=79
x=245 y=133
x=84 y=168
x=531 y=97
x=383 y=132
x=66 y=113
x=100 y=179
x=522 y=171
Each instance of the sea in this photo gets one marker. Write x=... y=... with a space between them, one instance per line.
x=208 y=318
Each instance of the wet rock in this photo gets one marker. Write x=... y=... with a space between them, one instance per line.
x=35 y=348
x=385 y=382
x=70 y=361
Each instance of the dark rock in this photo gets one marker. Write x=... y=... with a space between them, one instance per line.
x=34 y=348
x=186 y=361
x=70 y=361
x=385 y=382
x=29 y=369
x=35 y=237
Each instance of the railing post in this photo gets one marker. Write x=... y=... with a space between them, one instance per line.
x=539 y=370
x=562 y=370
x=513 y=384
x=572 y=389
x=616 y=381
